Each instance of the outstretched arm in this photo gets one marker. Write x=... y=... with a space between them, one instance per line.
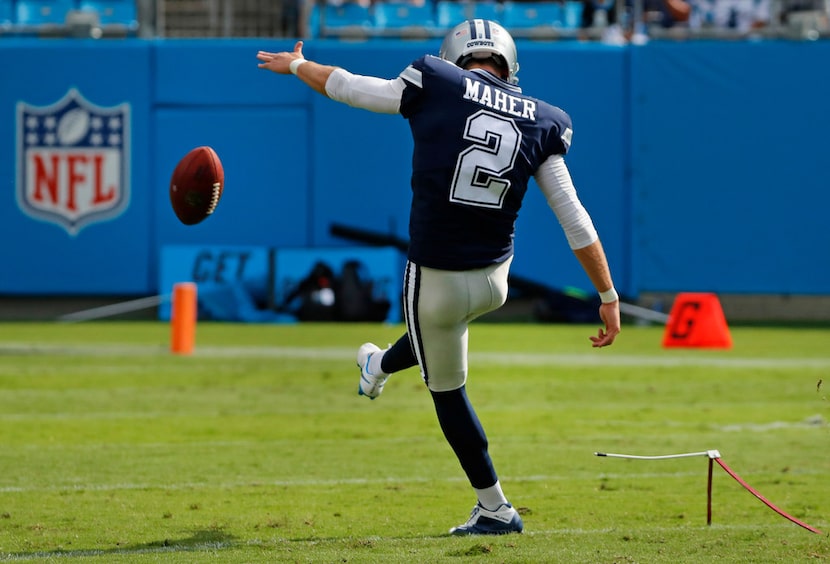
x=367 y=92
x=313 y=74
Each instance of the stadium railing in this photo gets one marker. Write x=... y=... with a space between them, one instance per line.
x=537 y=20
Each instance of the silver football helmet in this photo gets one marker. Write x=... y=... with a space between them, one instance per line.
x=481 y=39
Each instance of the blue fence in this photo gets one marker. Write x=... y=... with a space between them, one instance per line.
x=702 y=163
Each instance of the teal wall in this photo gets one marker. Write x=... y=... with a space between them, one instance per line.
x=701 y=162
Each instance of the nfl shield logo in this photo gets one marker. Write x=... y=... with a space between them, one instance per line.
x=73 y=161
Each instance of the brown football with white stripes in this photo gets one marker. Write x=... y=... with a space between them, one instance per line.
x=196 y=185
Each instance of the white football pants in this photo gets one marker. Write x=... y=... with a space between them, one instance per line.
x=438 y=306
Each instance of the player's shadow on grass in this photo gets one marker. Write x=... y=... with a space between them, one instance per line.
x=210 y=539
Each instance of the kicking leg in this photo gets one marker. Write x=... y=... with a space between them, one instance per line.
x=493 y=514
x=465 y=435
x=439 y=306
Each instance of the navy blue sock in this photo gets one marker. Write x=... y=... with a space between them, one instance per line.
x=398 y=357
x=463 y=431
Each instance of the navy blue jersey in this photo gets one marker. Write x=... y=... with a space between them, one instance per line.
x=477 y=142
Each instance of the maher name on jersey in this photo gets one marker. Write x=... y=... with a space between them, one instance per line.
x=499 y=100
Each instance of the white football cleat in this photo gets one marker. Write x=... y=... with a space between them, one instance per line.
x=371 y=385
x=482 y=521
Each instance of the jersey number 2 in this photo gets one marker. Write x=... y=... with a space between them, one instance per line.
x=480 y=169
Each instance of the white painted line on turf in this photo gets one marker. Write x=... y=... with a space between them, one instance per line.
x=335 y=482
x=810 y=422
x=347 y=354
x=381 y=481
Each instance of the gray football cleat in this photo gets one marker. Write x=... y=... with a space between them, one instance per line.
x=482 y=521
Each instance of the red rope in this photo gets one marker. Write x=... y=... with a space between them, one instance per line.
x=763 y=499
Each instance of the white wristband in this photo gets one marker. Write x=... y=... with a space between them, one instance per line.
x=609 y=296
x=294 y=65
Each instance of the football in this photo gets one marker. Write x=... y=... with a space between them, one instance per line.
x=196 y=185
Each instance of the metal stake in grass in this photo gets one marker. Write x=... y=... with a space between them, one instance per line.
x=714 y=456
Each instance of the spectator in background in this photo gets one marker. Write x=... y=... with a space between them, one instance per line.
x=410 y=2
x=662 y=13
x=364 y=3
x=809 y=17
x=666 y=13
x=740 y=16
x=292 y=18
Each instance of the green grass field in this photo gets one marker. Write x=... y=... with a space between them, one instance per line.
x=257 y=447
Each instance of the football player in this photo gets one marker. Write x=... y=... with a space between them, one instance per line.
x=478 y=139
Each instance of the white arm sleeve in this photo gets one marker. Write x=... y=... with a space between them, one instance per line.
x=554 y=179
x=367 y=92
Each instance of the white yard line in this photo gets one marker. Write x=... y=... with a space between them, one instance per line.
x=334 y=482
x=595 y=358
